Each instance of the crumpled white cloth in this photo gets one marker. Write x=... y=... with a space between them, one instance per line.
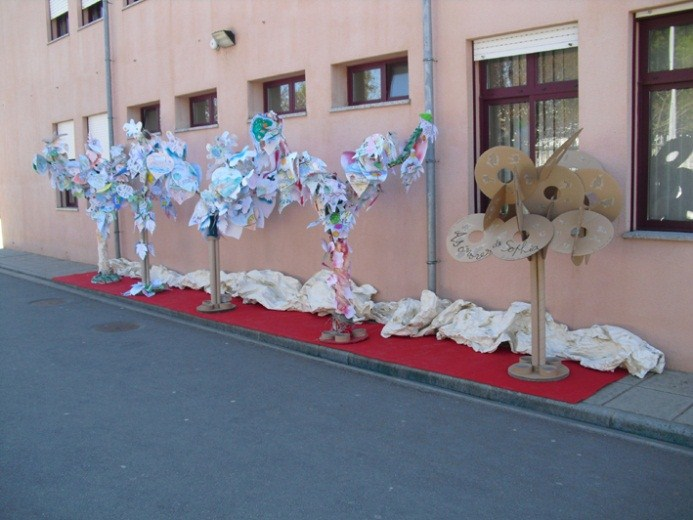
x=410 y=316
x=601 y=347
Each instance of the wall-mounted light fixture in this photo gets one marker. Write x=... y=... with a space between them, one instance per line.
x=222 y=38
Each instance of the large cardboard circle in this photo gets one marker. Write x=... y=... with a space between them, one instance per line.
x=562 y=191
x=581 y=233
x=539 y=233
x=467 y=241
x=577 y=159
x=602 y=191
x=499 y=158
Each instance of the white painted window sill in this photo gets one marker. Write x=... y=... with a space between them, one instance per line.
x=281 y=116
x=671 y=236
x=371 y=105
x=193 y=128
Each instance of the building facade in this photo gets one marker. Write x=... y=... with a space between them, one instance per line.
x=523 y=74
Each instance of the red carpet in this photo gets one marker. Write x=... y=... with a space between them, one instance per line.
x=428 y=354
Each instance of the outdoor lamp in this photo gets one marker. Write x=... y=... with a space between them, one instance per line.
x=222 y=38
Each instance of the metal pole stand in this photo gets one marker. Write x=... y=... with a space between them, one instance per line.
x=146 y=280
x=538 y=367
x=219 y=302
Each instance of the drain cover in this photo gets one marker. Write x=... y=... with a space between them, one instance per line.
x=48 y=302
x=116 y=326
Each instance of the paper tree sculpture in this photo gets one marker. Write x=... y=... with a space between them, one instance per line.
x=161 y=172
x=241 y=193
x=101 y=182
x=533 y=209
x=338 y=204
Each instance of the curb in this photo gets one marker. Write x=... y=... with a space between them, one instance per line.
x=609 y=418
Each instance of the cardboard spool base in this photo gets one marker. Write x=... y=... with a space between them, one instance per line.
x=356 y=335
x=552 y=370
x=210 y=306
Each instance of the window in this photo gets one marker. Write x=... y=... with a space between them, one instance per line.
x=528 y=100
x=58 y=14
x=130 y=2
x=66 y=135
x=664 y=129
x=151 y=121
x=203 y=110
x=98 y=128
x=285 y=96
x=378 y=81
x=91 y=11
x=66 y=200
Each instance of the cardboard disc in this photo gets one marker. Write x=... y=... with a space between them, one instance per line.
x=602 y=192
x=510 y=246
x=577 y=159
x=562 y=191
x=468 y=241
x=489 y=168
x=571 y=236
x=547 y=168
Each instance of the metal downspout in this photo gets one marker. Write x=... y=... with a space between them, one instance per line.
x=431 y=154
x=109 y=108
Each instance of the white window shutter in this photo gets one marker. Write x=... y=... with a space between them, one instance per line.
x=98 y=128
x=66 y=133
x=57 y=7
x=87 y=3
x=528 y=42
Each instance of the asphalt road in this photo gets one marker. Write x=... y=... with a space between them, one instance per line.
x=109 y=412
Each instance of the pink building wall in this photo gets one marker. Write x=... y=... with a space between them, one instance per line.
x=160 y=51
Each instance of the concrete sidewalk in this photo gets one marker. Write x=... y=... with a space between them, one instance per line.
x=659 y=407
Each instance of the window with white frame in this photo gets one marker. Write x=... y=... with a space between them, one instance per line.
x=664 y=122
x=66 y=136
x=97 y=127
x=59 y=21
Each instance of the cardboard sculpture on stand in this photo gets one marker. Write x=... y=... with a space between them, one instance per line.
x=533 y=209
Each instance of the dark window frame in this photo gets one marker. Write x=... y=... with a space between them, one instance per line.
x=67 y=200
x=291 y=82
x=385 y=67
x=130 y=2
x=647 y=82
x=93 y=13
x=531 y=93
x=60 y=26
x=143 y=117
x=211 y=99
